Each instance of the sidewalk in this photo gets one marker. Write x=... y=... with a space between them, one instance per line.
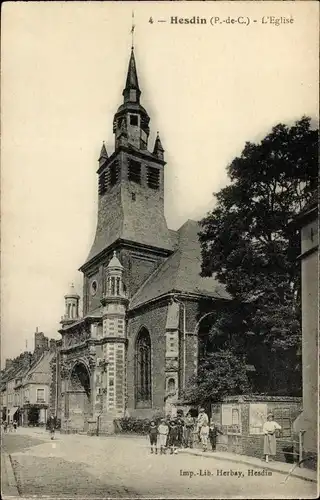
x=8 y=480
x=283 y=468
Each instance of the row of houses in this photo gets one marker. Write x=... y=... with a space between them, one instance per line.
x=25 y=383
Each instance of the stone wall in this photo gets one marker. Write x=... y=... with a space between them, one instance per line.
x=246 y=439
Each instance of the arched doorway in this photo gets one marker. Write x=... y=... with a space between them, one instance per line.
x=79 y=397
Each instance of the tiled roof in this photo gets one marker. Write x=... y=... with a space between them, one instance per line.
x=181 y=271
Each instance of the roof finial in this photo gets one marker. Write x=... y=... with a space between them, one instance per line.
x=132 y=31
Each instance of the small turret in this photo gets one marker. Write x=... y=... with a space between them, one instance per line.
x=114 y=276
x=71 y=306
x=103 y=155
x=158 y=149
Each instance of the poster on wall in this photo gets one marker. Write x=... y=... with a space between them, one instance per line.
x=257 y=417
x=227 y=414
x=231 y=418
x=216 y=413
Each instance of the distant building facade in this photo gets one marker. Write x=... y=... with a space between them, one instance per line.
x=25 y=383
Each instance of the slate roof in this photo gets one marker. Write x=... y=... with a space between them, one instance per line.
x=117 y=220
x=181 y=271
x=40 y=372
x=132 y=76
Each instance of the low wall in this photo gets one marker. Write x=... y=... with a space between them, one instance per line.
x=241 y=419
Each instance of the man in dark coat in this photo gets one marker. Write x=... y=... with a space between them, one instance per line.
x=52 y=425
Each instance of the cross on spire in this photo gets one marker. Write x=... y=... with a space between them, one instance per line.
x=132 y=31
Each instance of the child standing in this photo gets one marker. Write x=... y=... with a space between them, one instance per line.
x=163 y=430
x=213 y=433
x=153 y=435
x=173 y=437
x=204 y=434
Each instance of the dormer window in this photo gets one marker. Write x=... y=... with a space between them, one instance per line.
x=134 y=172
x=134 y=120
x=153 y=177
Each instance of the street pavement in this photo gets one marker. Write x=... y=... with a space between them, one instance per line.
x=79 y=466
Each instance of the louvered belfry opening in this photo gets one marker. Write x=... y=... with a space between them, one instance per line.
x=153 y=177
x=114 y=173
x=134 y=171
x=109 y=177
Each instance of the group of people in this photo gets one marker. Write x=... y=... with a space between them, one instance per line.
x=174 y=433
x=10 y=426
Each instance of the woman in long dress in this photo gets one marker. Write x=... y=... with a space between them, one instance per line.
x=270 y=443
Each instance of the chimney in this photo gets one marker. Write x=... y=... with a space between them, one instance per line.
x=52 y=345
x=41 y=342
x=8 y=363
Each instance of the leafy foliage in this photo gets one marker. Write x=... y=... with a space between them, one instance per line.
x=248 y=243
x=135 y=425
x=221 y=373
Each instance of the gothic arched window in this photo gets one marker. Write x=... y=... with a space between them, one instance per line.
x=143 y=369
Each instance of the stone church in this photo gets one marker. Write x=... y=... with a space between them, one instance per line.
x=136 y=345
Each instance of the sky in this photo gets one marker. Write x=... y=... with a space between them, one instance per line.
x=207 y=88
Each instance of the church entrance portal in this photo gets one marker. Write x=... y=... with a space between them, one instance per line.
x=79 y=398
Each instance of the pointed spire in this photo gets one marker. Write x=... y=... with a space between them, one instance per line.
x=132 y=91
x=103 y=152
x=132 y=76
x=158 y=149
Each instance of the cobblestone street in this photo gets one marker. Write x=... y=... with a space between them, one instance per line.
x=122 y=467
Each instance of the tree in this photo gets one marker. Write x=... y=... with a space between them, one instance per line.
x=217 y=377
x=248 y=243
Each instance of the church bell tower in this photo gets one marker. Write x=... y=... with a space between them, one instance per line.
x=130 y=199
